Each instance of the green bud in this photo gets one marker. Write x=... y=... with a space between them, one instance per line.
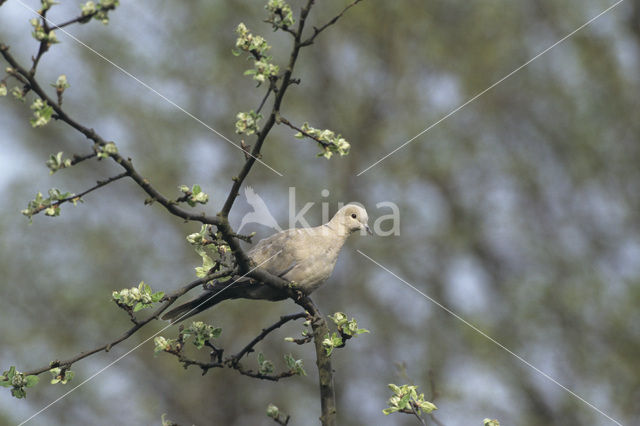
x=46 y=4
x=280 y=14
x=88 y=8
x=273 y=411
x=247 y=122
x=42 y=113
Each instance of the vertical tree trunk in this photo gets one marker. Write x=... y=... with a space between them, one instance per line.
x=323 y=362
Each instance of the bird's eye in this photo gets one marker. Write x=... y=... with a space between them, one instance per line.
x=353 y=215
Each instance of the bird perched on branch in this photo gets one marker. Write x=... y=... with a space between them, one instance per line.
x=304 y=256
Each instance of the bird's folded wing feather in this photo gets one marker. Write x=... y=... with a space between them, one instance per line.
x=280 y=252
x=306 y=256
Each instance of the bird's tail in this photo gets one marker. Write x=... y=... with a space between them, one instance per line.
x=197 y=305
x=244 y=288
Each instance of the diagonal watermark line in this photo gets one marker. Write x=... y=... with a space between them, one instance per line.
x=500 y=345
x=145 y=85
x=140 y=344
x=492 y=86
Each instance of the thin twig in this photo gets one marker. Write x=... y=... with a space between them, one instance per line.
x=233 y=361
x=262 y=134
x=415 y=413
x=261 y=376
x=310 y=136
x=78 y=19
x=75 y=159
x=283 y=320
x=280 y=421
x=78 y=197
x=44 y=44
x=434 y=396
x=169 y=300
x=266 y=95
x=91 y=134
x=317 y=31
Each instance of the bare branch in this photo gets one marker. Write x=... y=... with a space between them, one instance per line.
x=317 y=31
x=283 y=320
x=269 y=377
x=415 y=413
x=266 y=95
x=80 y=158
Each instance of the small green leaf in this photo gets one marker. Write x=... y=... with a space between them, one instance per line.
x=201 y=333
x=32 y=381
x=390 y=410
x=280 y=14
x=18 y=393
x=273 y=411
x=405 y=398
x=42 y=113
x=162 y=344
x=247 y=122
x=295 y=365
x=264 y=366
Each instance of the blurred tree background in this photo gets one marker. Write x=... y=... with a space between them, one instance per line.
x=520 y=212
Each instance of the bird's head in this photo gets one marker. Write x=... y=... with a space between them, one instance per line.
x=349 y=219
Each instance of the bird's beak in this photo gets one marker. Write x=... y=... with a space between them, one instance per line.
x=368 y=230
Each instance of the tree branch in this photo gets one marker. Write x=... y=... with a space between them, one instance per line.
x=318 y=323
x=78 y=19
x=415 y=413
x=169 y=300
x=96 y=138
x=78 y=197
x=283 y=320
x=233 y=361
x=262 y=133
x=325 y=371
x=307 y=134
x=75 y=159
x=44 y=44
x=317 y=31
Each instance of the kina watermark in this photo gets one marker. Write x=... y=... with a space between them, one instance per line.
x=385 y=216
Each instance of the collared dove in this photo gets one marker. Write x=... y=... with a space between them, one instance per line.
x=303 y=256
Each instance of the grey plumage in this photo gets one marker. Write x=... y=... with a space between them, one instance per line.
x=304 y=256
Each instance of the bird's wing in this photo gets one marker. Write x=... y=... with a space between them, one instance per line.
x=306 y=256
x=278 y=253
